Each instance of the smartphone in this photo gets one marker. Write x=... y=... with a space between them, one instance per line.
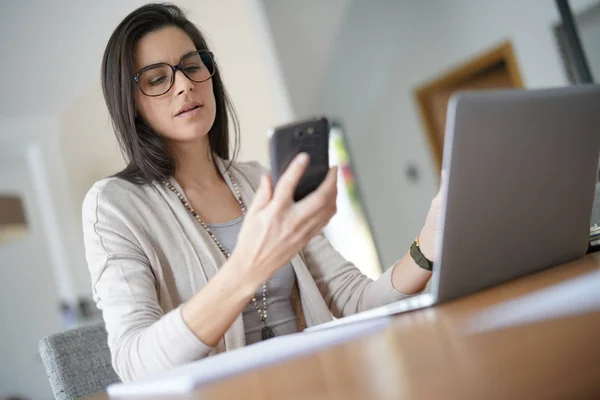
x=310 y=136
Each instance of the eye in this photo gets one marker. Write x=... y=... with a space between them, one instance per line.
x=157 y=80
x=192 y=68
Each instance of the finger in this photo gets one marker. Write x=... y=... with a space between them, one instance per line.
x=310 y=224
x=263 y=194
x=315 y=225
x=325 y=194
x=284 y=192
x=329 y=185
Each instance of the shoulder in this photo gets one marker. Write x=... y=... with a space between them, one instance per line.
x=115 y=194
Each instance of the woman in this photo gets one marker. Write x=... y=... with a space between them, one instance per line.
x=192 y=254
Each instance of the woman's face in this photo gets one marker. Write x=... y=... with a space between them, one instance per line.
x=162 y=113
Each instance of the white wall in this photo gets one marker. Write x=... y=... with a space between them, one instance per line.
x=304 y=34
x=382 y=51
x=62 y=233
x=35 y=270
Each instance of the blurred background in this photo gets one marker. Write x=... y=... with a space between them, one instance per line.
x=384 y=69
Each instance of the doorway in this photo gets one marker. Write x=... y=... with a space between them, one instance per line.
x=494 y=69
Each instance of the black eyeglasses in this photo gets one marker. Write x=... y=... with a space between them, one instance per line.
x=157 y=79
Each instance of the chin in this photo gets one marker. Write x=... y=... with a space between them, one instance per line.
x=192 y=135
x=182 y=137
x=189 y=130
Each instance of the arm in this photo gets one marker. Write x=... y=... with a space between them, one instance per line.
x=408 y=277
x=142 y=338
x=345 y=289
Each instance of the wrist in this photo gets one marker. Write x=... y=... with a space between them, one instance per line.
x=425 y=246
x=419 y=258
x=242 y=272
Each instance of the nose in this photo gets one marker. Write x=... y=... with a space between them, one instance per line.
x=182 y=83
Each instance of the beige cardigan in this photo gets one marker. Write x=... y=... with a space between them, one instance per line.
x=147 y=256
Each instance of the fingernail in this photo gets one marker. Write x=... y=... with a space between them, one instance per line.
x=302 y=158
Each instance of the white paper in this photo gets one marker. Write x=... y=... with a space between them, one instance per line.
x=188 y=377
x=575 y=296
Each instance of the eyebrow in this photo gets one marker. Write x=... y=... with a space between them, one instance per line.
x=156 y=64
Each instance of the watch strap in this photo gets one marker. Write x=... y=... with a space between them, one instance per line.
x=419 y=258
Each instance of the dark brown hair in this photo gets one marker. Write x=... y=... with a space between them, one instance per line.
x=144 y=150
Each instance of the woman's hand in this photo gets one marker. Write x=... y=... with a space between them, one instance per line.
x=276 y=228
x=430 y=233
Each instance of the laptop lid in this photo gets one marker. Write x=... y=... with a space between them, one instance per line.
x=521 y=170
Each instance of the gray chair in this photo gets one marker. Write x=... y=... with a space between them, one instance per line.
x=78 y=362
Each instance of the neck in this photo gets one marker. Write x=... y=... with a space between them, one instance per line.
x=196 y=168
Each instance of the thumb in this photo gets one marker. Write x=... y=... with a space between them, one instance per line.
x=263 y=194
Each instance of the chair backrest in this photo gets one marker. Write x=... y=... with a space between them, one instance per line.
x=78 y=362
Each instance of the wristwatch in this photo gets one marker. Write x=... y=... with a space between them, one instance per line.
x=418 y=257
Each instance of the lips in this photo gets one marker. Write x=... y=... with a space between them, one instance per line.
x=188 y=108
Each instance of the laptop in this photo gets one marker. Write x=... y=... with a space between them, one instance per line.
x=522 y=168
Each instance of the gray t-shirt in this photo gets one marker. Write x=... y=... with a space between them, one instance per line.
x=280 y=314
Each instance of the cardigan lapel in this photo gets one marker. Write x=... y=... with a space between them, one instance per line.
x=208 y=253
x=209 y=258
x=313 y=306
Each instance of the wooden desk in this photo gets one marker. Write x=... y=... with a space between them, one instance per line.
x=426 y=354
